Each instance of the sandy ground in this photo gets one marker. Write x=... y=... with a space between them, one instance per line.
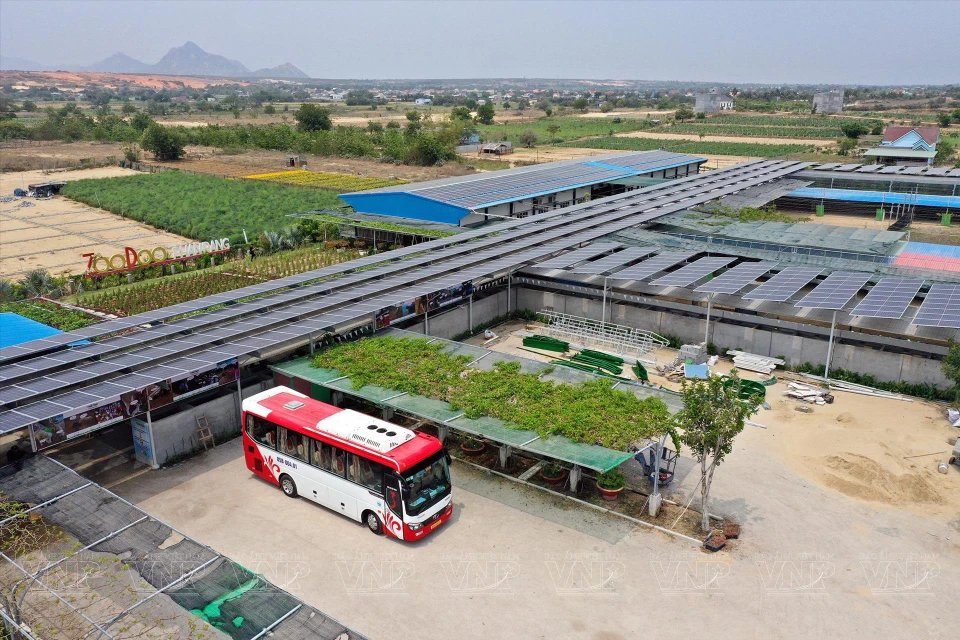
x=205 y=160
x=636 y=113
x=711 y=138
x=859 y=446
x=108 y=80
x=54 y=233
x=22 y=155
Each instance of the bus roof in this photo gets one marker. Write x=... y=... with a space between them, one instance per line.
x=394 y=445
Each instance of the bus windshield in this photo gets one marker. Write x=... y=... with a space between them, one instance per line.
x=428 y=483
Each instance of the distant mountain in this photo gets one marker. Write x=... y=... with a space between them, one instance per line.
x=285 y=70
x=119 y=63
x=191 y=60
x=188 y=60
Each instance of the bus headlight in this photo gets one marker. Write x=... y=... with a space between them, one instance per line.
x=415 y=527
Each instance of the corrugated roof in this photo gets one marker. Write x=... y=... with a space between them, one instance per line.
x=488 y=189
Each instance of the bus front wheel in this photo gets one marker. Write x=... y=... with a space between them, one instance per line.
x=288 y=486
x=373 y=523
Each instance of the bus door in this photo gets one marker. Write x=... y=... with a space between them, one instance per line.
x=393 y=499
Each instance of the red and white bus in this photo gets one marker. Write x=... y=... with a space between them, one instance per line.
x=392 y=479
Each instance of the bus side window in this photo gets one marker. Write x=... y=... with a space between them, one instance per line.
x=339 y=465
x=322 y=455
x=366 y=473
x=263 y=432
x=292 y=444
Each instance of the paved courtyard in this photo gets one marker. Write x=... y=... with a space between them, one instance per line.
x=517 y=563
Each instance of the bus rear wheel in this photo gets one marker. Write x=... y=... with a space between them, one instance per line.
x=373 y=523
x=288 y=486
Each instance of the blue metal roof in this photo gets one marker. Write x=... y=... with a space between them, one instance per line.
x=15 y=329
x=489 y=189
x=878 y=197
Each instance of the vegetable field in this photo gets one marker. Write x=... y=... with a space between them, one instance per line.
x=567 y=128
x=154 y=294
x=199 y=206
x=708 y=128
x=680 y=146
x=780 y=121
x=593 y=412
x=338 y=182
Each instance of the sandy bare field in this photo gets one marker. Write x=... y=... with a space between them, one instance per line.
x=54 y=233
x=636 y=113
x=860 y=446
x=754 y=140
x=21 y=155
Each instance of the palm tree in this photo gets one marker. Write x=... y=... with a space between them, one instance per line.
x=37 y=282
x=6 y=291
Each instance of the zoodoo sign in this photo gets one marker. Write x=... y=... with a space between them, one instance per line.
x=131 y=258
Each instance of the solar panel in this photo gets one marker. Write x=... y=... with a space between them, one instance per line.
x=737 y=278
x=848 y=167
x=685 y=276
x=941 y=307
x=828 y=166
x=938 y=171
x=578 y=255
x=891 y=169
x=780 y=287
x=654 y=265
x=836 y=290
x=870 y=168
x=889 y=298
x=913 y=171
x=614 y=260
x=954 y=173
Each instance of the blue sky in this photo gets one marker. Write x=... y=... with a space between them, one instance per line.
x=907 y=42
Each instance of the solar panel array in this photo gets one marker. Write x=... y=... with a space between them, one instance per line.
x=836 y=290
x=578 y=255
x=941 y=307
x=685 y=276
x=889 y=298
x=371 y=291
x=785 y=284
x=614 y=260
x=737 y=278
x=512 y=186
x=654 y=265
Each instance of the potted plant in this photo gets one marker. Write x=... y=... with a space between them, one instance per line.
x=472 y=446
x=715 y=541
x=611 y=483
x=553 y=473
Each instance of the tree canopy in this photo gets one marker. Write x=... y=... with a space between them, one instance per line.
x=311 y=117
x=485 y=114
x=166 y=143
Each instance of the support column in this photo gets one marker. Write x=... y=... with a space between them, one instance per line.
x=573 y=481
x=509 y=278
x=833 y=326
x=603 y=309
x=706 y=333
x=387 y=413
x=426 y=322
x=153 y=446
x=505 y=451
x=470 y=313
x=656 y=498
x=443 y=432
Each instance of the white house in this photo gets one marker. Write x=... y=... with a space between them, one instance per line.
x=423 y=101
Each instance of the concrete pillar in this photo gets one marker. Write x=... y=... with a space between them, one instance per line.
x=443 y=432
x=573 y=481
x=336 y=397
x=505 y=451
x=387 y=413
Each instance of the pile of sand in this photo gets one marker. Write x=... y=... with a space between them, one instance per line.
x=866 y=479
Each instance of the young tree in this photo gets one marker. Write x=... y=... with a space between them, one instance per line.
x=548 y=111
x=311 y=117
x=29 y=106
x=845 y=146
x=944 y=152
x=712 y=416
x=876 y=128
x=944 y=119
x=269 y=109
x=166 y=143
x=528 y=138
x=485 y=114
x=460 y=113
x=128 y=108
x=683 y=114
x=580 y=104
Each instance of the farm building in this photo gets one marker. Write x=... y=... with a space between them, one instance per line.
x=496 y=148
x=828 y=101
x=423 y=101
x=521 y=192
x=906 y=146
x=712 y=102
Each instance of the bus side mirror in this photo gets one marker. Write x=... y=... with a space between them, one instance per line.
x=446 y=454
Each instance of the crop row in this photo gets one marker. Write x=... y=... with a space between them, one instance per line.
x=339 y=182
x=780 y=121
x=755 y=131
x=692 y=146
x=168 y=291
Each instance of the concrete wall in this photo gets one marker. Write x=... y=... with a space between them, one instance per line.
x=883 y=365
x=177 y=433
x=456 y=321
